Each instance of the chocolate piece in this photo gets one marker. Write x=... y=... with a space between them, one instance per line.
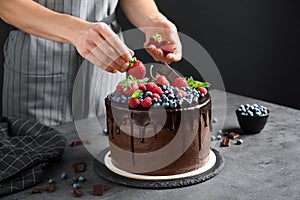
x=78 y=193
x=79 y=143
x=36 y=190
x=99 y=190
x=50 y=188
x=232 y=135
x=225 y=142
x=79 y=167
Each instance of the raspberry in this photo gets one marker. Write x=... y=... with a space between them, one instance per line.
x=150 y=86
x=203 y=90
x=161 y=80
x=147 y=102
x=134 y=102
x=180 y=82
x=142 y=87
x=157 y=90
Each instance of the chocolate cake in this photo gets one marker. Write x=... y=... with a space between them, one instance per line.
x=159 y=141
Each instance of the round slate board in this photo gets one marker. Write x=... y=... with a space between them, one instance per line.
x=101 y=169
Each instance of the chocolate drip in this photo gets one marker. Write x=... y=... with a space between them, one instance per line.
x=132 y=141
x=117 y=130
x=142 y=134
x=199 y=131
x=110 y=128
x=204 y=114
x=209 y=117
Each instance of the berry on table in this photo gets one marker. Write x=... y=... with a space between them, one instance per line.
x=51 y=181
x=81 y=179
x=239 y=141
x=76 y=186
x=64 y=175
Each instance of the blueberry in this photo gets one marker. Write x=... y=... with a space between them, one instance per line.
x=164 y=87
x=148 y=94
x=179 y=96
x=171 y=96
x=183 y=88
x=75 y=179
x=105 y=131
x=220 y=132
x=239 y=141
x=180 y=102
x=175 y=90
x=64 y=175
x=219 y=137
x=195 y=99
x=81 y=179
x=187 y=89
x=163 y=97
x=156 y=105
x=110 y=97
x=173 y=104
x=250 y=113
x=201 y=95
x=51 y=181
x=114 y=98
x=255 y=105
x=124 y=99
x=118 y=99
x=76 y=186
x=213 y=138
x=165 y=105
x=214 y=120
x=154 y=100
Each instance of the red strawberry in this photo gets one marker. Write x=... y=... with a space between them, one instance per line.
x=130 y=90
x=134 y=102
x=163 y=42
x=137 y=68
x=155 y=40
x=161 y=80
x=142 y=87
x=150 y=86
x=203 y=90
x=183 y=93
x=155 y=95
x=157 y=90
x=180 y=82
x=147 y=102
x=168 y=48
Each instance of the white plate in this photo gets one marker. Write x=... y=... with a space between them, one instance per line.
x=211 y=162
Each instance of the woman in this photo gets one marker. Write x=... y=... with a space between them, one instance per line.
x=49 y=40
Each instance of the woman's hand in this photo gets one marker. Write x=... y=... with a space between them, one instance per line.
x=168 y=31
x=97 y=43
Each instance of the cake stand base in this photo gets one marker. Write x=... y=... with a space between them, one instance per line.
x=108 y=171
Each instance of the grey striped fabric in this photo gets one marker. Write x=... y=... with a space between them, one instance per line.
x=39 y=74
x=26 y=148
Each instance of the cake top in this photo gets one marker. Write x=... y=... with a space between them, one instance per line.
x=140 y=92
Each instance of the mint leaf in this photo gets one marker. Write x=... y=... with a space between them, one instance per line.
x=196 y=84
x=137 y=94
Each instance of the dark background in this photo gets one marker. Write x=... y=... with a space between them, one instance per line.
x=254 y=43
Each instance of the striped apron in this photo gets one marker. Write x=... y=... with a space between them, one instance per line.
x=39 y=74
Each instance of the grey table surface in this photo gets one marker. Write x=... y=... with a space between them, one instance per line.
x=265 y=166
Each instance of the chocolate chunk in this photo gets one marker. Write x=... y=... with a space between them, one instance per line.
x=99 y=190
x=79 y=143
x=225 y=142
x=79 y=167
x=232 y=135
x=78 y=193
x=50 y=188
x=36 y=190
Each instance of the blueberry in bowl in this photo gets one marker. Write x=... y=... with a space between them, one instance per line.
x=252 y=118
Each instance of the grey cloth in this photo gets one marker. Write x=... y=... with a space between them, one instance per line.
x=39 y=74
x=26 y=148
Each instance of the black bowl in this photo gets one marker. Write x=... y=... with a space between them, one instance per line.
x=252 y=124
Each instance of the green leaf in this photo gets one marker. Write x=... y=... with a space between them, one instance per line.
x=196 y=84
x=137 y=94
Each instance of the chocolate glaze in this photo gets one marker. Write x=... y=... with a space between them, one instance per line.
x=150 y=130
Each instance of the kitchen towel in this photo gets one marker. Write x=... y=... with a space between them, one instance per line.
x=26 y=148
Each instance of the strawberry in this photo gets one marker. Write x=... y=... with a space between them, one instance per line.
x=120 y=86
x=155 y=40
x=161 y=80
x=150 y=86
x=137 y=68
x=134 y=102
x=180 y=82
x=147 y=102
x=142 y=87
x=203 y=90
x=130 y=90
x=155 y=95
x=168 y=48
x=163 y=42
x=157 y=90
